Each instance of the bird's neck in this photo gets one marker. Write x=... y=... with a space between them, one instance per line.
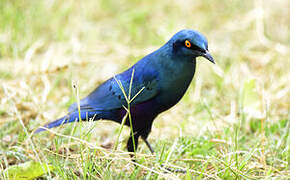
x=178 y=73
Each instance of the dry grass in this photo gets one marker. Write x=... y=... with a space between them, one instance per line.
x=232 y=123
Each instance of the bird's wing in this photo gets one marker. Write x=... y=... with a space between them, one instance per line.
x=110 y=95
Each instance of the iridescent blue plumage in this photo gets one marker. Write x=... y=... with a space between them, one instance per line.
x=161 y=77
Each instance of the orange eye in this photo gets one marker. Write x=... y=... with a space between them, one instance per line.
x=187 y=43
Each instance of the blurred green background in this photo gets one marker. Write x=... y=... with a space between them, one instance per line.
x=232 y=123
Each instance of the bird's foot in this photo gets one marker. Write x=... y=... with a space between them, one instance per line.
x=173 y=170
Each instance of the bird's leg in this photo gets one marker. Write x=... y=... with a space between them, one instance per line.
x=130 y=143
x=148 y=144
x=145 y=133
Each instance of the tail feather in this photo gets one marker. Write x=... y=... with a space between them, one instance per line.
x=71 y=117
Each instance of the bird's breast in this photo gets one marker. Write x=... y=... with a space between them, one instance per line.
x=174 y=83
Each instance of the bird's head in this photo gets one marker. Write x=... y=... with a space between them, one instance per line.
x=191 y=44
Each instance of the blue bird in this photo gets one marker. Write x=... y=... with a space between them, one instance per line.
x=155 y=83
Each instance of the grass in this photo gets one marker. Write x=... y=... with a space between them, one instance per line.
x=233 y=122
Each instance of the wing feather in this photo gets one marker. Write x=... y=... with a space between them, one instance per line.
x=109 y=95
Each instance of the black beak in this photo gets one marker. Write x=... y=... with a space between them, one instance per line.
x=208 y=56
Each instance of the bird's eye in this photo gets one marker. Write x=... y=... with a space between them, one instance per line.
x=187 y=43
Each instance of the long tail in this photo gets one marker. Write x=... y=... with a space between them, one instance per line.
x=71 y=117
